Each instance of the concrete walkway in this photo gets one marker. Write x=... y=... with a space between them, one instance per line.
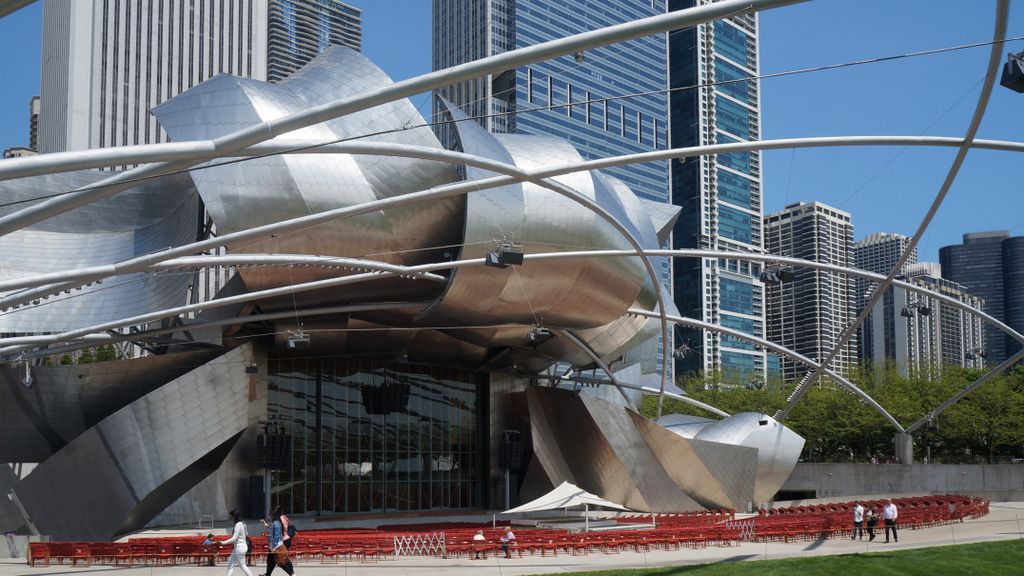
x=1004 y=522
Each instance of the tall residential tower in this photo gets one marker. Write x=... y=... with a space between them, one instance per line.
x=720 y=195
x=809 y=313
x=299 y=30
x=878 y=253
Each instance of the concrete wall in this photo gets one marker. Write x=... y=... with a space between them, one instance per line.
x=996 y=482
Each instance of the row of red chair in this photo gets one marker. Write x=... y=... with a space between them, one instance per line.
x=672 y=531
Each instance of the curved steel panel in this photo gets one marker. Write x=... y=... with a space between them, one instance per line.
x=778 y=447
x=619 y=455
x=122 y=472
x=266 y=190
x=141 y=221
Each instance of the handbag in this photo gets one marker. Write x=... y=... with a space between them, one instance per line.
x=281 y=555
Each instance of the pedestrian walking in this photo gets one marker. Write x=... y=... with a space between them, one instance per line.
x=238 y=538
x=889 y=515
x=858 y=521
x=277 y=552
x=872 y=521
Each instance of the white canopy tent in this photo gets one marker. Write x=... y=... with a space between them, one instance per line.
x=566 y=496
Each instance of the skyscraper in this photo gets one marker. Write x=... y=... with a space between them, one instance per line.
x=106 y=64
x=720 y=195
x=878 y=253
x=991 y=266
x=572 y=98
x=33 y=123
x=809 y=313
x=919 y=334
x=575 y=98
x=299 y=30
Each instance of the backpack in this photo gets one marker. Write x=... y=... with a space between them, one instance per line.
x=291 y=530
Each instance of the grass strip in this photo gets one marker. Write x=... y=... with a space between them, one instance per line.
x=982 y=559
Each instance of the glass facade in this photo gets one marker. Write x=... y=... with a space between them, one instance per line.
x=376 y=436
x=299 y=30
x=737 y=296
x=745 y=325
x=735 y=224
x=714 y=101
x=734 y=189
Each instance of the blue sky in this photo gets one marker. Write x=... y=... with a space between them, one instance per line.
x=886 y=189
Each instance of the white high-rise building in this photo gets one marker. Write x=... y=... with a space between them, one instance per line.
x=920 y=334
x=810 y=312
x=876 y=253
x=106 y=63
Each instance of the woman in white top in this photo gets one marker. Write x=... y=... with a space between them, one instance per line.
x=238 y=537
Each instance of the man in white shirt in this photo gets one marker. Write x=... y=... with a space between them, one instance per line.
x=889 y=515
x=858 y=521
x=479 y=541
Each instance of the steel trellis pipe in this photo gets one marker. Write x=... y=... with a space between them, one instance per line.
x=57 y=162
x=230 y=143
x=448 y=156
x=256 y=259
x=865 y=397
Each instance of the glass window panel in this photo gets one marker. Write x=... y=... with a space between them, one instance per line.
x=735 y=224
x=731 y=42
x=734 y=188
x=732 y=117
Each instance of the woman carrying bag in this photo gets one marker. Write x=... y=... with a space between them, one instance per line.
x=278 y=553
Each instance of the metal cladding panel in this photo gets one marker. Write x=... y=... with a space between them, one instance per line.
x=340 y=72
x=265 y=190
x=587 y=293
x=716 y=475
x=125 y=470
x=619 y=455
x=625 y=431
x=140 y=221
x=65 y=401
x=778 y=447
x=571 y=447
x=684 y=425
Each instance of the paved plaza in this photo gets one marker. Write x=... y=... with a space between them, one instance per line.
x=1003 y=523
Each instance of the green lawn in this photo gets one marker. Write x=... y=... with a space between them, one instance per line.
x=995 y=558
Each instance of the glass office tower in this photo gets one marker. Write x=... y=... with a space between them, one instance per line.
x=991 y=266
x=720 y=196
x=566 y=97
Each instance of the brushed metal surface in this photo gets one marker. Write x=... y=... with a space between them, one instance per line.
x=619 y=455
x=270 y=189
x=65 y=401
x=778 y=447
x=122 y=472
x=138 y=222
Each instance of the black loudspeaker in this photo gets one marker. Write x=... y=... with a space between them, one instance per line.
x=273 y=451
x=510 y=455
x=1013 y=73
x=257 y=497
